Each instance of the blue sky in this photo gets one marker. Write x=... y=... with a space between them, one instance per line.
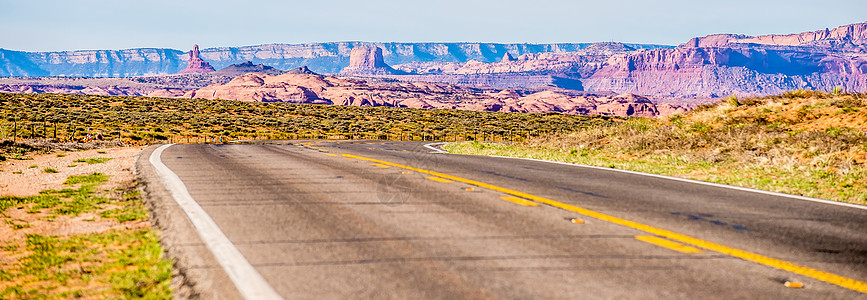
x=50 y=25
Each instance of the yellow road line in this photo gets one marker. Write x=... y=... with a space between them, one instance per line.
x=381 y=166
x=331 y=154
x=667 y=244
x=519 y=201
x=437 y=179
x=745 y=255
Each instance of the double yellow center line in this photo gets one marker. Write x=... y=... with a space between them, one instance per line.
x=745 y=255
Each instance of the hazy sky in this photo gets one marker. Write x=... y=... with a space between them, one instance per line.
x=48 y=25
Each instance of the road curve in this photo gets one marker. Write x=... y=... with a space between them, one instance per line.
x=368 y=219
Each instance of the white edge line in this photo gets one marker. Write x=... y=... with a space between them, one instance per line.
x=247 y=280
x=696 y=182
x=431 y=146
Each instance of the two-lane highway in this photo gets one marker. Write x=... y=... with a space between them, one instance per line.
x=368 y=219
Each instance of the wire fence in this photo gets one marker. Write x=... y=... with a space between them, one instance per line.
x=77 y=132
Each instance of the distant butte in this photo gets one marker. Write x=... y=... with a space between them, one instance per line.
x=247 y=67
x=367 y=60
x=197 y=65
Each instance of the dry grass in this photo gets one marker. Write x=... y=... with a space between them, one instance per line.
x=802 y=142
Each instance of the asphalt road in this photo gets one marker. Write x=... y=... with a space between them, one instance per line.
x=338 y=220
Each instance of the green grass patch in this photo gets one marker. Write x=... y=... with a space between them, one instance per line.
x=16 y=224
x=116 y=264
x=126 y=264
x=92 y=178
x=9 y=247
x=13 y=201
x=90 y=161
x=64 y=202
x=79 y=204
x=126 y=214
x=131 y=209
x=49 y=170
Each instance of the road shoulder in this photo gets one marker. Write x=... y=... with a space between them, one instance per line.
x=197 y=272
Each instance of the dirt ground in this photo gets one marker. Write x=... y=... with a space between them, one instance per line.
x=104 y=250
x=32 y=180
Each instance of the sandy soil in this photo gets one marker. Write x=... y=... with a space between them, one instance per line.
x=33 y=180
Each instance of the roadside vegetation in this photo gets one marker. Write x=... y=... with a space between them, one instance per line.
x=802 y=142
x=118 y=256
x=144 y=120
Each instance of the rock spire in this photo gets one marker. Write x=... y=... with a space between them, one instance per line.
x=197 y=64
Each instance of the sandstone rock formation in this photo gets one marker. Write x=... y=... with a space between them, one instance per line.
x=367 y=60
x=301 y=70
x=261 y=87
x=738 y=68
x=847 y=36
x=309 y=88
x=320 y=57
x=580 y=63
x=92 y=86
x=248 y=67
x=708 y=67
x=92 y=63
x=196 y=64
x=90 y=90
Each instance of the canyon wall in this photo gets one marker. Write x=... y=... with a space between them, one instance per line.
x=706 y=67
x=709 y=72
x=319 y=57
